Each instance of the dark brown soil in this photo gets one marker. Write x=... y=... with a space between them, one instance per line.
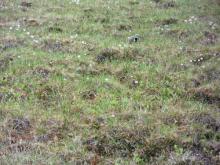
x=107 y=54
x=10 y=43
x=156 y=146
x=209 y=38
x=55 y=29
x=181 y=35
x=44 y=93
x=89 y=95
x=166 y=5
x=2 y=96
x=31 y=22
x=65 y=46
x=177 y=119
x=19 y=136
x=18 y=129
x=210 y=75
x=206 y=95
x=205 y=142
x=156 y=1
x=26 y=4
x=5 y=61
x=123 y=27
x=53 y=46
x=42 y=72
x=118 y=142
x=207 y=120
x=167 y=21
x=48 y=95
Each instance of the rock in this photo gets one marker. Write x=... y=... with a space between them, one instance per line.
x=134 y=38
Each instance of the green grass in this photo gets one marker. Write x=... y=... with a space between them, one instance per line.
x=94 y=113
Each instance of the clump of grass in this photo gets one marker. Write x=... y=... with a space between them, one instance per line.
x=77 y=86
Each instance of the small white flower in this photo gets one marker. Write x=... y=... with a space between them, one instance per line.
x=32 y=36
x=36 y=41
x=76 y=2
x=106 y=79
x=28 y=33
x=210 y=23
x=11 y=28
x=135 y=82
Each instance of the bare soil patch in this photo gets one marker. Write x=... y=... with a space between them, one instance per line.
x=109 y=54
x=44 y=72
x=205 y=95
x=209 y=38
x=8 y=43
x=55 y=29
x=167 y=22
x=166 y=5
x=89 y=95
x=26 y=4
x=118 y=142
x=5 y=61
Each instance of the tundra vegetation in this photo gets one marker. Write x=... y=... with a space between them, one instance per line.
x=110 y=82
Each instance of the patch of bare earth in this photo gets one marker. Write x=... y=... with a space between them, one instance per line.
x=10 y=42
x=168 y=21
x=5 y=61
x=109 y=54
x=206 y=95
x=66 y=46
x=122 y=142
x=117 y=141
x=19 y=135
x=209 y=38
x=165 y=5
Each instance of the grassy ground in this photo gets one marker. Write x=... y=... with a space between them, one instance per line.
x=73 y=90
